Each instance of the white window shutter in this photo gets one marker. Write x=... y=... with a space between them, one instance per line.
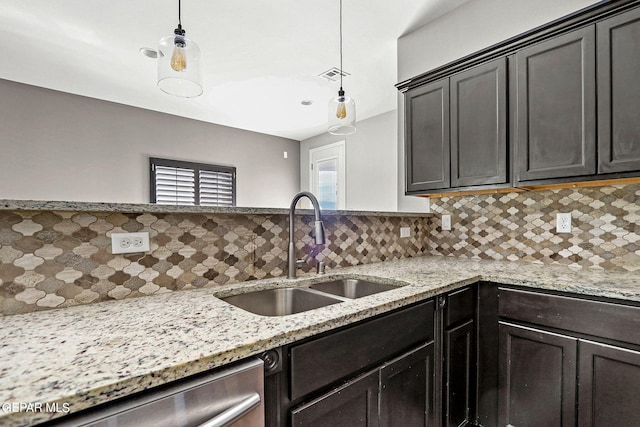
x=216 y=188
x=175 y=186
x=185 y=183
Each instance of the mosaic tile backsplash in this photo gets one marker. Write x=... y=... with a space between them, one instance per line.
x=55 y=259
x=521 y=226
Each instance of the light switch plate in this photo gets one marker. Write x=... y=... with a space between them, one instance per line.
x=127 y=243
x=446 y=222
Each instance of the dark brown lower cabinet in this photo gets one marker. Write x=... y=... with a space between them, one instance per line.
x=458 y=381
x=406 y=389
x=537 y=377
x=353 y=404
x=567 y=361
x=608 y=386
x=399 y=393
x=459 y=375
x=377 y=372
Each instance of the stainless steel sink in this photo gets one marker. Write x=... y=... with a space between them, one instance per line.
x=280 y=302
x=352 y=288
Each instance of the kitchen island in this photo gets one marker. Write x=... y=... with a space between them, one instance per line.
x=83 y=356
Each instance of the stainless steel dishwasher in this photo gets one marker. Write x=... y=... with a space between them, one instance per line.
x=231 y=396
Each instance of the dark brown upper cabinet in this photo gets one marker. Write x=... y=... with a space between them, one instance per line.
x=619 y=93
x=478 y=125
x=427 y=137
x=556 y=108
x=554 y=105
x=456 y=130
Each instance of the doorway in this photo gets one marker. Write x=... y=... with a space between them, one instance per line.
x=327 y=173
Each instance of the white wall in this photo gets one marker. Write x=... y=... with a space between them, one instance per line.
x=371 y=163
x=58 y=146
x=473 y=26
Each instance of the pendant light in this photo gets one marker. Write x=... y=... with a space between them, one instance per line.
x=342 y=109
x=179 y=63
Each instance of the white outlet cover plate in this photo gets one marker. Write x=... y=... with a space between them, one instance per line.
x=563 y=223
x=137 y=242
x=446 y=222
x=405 y=231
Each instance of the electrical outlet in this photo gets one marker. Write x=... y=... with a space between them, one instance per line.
x=405 y=231
x=126 y=243
x=563 y=223
x=446 y=222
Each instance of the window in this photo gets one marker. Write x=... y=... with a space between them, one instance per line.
x=175 y=182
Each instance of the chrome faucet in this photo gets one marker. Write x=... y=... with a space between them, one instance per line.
x=317 y=232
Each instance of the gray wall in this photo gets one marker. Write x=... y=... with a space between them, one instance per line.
x=59 y=146
x=475 y=25
x=371 y=166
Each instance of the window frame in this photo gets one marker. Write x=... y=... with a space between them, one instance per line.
x=196 y=167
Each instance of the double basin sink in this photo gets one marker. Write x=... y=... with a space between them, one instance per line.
x=285 y=301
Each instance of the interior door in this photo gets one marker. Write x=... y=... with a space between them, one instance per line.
x=327 y=172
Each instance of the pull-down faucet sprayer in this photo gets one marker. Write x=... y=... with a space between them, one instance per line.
x=317 y=232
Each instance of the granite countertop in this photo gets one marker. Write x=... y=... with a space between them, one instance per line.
x=39 y=205
x=86 y=355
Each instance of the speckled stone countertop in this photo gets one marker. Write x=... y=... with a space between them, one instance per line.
x=44 y=205
x=86 y=355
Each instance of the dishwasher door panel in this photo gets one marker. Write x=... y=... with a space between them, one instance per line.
x=229 y=397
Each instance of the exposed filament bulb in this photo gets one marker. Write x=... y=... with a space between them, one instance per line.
x=179 y=59
x=341 y=111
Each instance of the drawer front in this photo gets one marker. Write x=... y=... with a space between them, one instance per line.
x=460 y=306
x=601 y=319
x=342 y=354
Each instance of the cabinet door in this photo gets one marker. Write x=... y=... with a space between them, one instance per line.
x=608 y=387
x=406 y=389
x=459 y=375
x=351 y=405
x=537 y=377
x=427 y=137
x=556 y=127
x=619 y=93
x=479 y=125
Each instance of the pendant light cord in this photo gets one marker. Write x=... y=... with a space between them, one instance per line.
x=180 y=15
x=340 y=44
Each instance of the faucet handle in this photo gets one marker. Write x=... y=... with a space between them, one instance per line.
x=320 y=267
x=299 y=263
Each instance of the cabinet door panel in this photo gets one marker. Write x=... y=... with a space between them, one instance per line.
x=556 y=107
x=427 y=137
x=406 y=389
x=608 y=387
x=340 y=355
x=478 y=125
x=619 y=93
x=459 y=375
x=537 y=377
x=351 y=405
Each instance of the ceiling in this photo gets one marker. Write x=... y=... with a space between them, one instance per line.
x=260 y=58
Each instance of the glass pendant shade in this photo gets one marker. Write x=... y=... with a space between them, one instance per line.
x=179 y=66
x=342 y=115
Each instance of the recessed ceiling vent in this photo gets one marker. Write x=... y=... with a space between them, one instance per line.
x=333 y=74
